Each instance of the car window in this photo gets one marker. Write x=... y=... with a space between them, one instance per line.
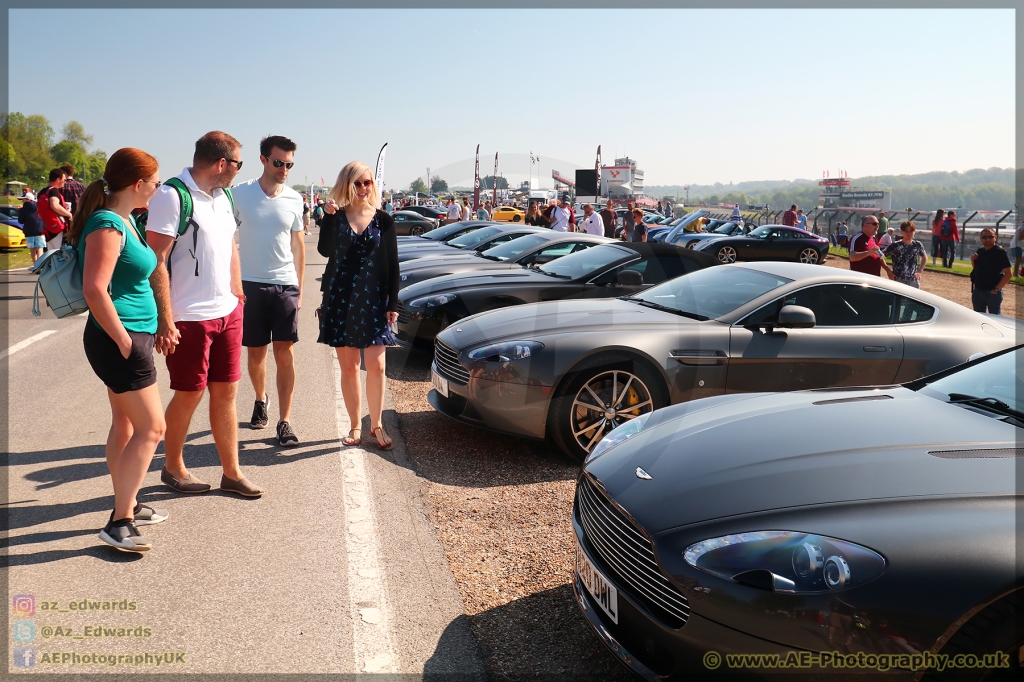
x=515 y=247
x=835 y=305
x=713 y=292
x=582 y=245
x=445 y=231
x=997 y=378
x=585 y=262
x=471 y=239
x=908 y=310
x=501 y=239
x=400 y=217
x=557 y=251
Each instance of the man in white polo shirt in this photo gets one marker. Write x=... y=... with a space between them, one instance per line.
x=199 y=279
x=269 y=216
x=592 y=223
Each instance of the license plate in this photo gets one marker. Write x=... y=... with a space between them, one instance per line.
x=606 y=596
x=440 y=383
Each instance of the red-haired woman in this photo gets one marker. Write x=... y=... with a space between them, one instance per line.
x=119 y=335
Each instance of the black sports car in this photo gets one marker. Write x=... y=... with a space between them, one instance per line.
x=769 y=242
x=412 y=224
x=443 y=233
x=541 y=247
x=826 y=532
x=602 y=271
x=482 y=238
x=428 y=212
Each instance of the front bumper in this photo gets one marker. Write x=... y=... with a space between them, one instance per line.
x=515 y=409
x=658 y=653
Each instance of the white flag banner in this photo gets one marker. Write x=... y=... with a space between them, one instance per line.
x=378 y=178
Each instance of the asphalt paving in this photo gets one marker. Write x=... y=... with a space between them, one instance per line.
x=334 y=572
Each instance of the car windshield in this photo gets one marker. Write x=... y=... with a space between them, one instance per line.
x=587 y=261
x=725 y=229
x=712 y=292
x=761 y=232
x=471 y=239
x=514 y=248
x=994 y=384
x=441 y=233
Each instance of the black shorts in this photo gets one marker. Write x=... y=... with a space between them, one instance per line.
x=120 y=375
x=271 y=313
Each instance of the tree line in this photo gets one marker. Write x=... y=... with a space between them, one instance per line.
x=28 y=151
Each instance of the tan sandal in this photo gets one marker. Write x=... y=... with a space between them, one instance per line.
x=383 y=434
x=352 y=440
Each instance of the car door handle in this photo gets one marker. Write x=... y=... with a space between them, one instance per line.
x=874 y=349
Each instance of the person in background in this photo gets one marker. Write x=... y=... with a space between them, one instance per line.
x=534 y=216
x=305 y=216
x=481 y=212
x=32 y=226
x=560 y=217
x=991 y=273
x=465 y=209
x=609 y=218
x=801 y=219
x=53 y=210
x=883 y=223
x=206 y=300
x=592 y=223
x=119 y=335
x=737 y=217
x=360 y=285
x=389 y=208
x=625 y=232
x=937 y=234
x=548 y=210
x=865 y=256
x=72 y=189
x=1016 y=252
x=887 y=237
x=950 y=236
x=789 y=217
x=454 y=212
x=908 y=256
x=639 y=228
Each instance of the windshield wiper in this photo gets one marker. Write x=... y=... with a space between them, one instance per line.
x=667 y=309
x=494 y=258
x=552 y=274
x=990 y=404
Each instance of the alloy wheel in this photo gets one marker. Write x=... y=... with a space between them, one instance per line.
x=416 y=230
x=607 y=400
x=809 y=255
x=727 y=254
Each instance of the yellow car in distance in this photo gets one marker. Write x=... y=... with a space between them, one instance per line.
x=509 y=214
x=11 y=237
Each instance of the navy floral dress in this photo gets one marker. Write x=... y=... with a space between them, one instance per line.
x=354 y=309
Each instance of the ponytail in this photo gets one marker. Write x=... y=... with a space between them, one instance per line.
x=93 y=199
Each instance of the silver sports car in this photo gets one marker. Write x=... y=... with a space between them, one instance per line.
x=573 y=370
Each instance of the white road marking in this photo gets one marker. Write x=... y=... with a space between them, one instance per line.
x=22 y=345
x=371 y=636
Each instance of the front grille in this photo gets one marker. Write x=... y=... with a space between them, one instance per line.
x=403 y=314
x=629 y=556
x=447 y=360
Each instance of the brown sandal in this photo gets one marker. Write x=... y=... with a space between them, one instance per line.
x=383 y=434
x=352 y=440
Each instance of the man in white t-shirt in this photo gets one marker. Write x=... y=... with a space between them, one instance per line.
x=592 y=223
x=272 y=253
x=198 y=278
x=560 y=217
x=454 y=212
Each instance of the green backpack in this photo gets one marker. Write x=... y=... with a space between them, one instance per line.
x=185 y=219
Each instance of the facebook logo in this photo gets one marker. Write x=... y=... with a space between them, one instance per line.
x=24 y=657
x=24 y=631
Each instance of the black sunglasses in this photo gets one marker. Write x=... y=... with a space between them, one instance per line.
x=278 y=163
x=238 y=164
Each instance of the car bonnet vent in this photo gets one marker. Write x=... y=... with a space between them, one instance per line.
x=857 y=399
x=990 y=453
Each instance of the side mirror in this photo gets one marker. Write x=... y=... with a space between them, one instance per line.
x=544 y=258
x=632 y=278
x=796 y=317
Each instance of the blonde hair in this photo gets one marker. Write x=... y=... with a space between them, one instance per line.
x=344 y=193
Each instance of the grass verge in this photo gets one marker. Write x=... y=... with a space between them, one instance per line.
x=12 y=259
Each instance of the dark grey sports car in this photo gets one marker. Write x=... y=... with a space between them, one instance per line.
x=612 y=269
x=408 y=223
x=768 y=242
x=813 y=534
x=574 y=370
x=443 y=233
x=483 y=237
x=541 y=247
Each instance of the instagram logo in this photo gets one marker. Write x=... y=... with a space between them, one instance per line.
x=24 y=605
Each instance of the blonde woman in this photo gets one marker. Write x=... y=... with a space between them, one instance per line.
x=360 y=286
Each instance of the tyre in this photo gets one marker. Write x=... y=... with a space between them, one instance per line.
x=416 y=230
x=726 y=254
x=809 y=255
x=599 y=395
x=692 y=244
x=516 y=219
x=996 y=629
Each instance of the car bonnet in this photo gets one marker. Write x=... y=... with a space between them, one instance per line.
x=748 y=453
x=467 y=280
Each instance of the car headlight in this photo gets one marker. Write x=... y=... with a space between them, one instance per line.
x=618 y=435
x=506 y=351
x=432 y=301
x=786 y=561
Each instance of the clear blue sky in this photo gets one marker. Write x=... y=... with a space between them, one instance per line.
x=722 y=95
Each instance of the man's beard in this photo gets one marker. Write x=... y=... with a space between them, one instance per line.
x=223 y=180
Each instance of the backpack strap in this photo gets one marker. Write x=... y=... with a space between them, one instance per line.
x=185 y=207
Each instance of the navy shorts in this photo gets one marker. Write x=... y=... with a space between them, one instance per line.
x=271 y=313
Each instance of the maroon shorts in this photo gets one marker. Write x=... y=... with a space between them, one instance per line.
x=210 y=350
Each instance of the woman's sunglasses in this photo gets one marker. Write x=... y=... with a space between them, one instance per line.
x=359 y=184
